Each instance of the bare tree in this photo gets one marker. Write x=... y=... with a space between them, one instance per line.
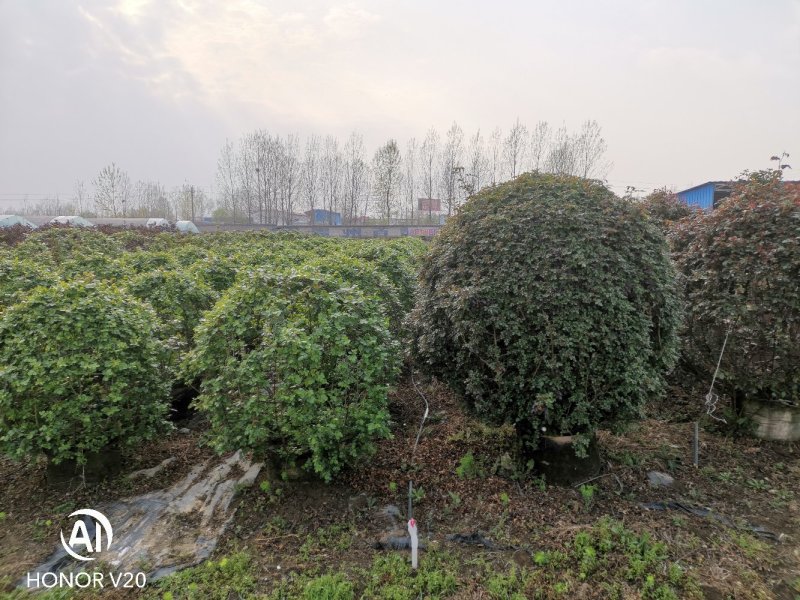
x=514 y=148
x=356 y=178
x=263 y=177
x=189 y=202
x=289 y=170
x=387 y=165
x=540 y=139
x=112 y=189
x=495 y=155
x=589 y=150
x=410 y=176
x=561 y=155
x=264 y=172
x=331 y=173
x=80 y=198
x=429 y=158
x=477 y=164
x=227 y=182
x=311 y=172
x=247 y=174
x=451 y=159
x=149 y=199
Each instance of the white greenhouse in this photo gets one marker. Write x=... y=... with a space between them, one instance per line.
x=73 y=220
x=11 y=220
x=186 y=227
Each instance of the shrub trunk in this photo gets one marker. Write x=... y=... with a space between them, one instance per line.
x=555 y=458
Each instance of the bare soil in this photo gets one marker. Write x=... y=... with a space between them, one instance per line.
x=745 y=482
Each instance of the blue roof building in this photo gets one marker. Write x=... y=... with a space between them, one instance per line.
x=319 y=216
x=707 y=195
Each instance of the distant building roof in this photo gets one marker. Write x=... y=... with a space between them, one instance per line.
x=702 y=185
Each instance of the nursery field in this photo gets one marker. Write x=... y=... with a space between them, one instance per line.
x=278 y=415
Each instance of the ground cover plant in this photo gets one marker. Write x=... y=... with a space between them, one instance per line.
x=548 y=303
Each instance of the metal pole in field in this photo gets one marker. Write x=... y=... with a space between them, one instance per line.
x=412 y=523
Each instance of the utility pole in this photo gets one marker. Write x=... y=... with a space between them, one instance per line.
x=191 y=194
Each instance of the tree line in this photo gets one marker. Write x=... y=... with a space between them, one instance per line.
x=113 y=194
x=267 y=178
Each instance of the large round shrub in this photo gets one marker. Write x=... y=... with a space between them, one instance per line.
x=78 y=371
x=295 y=365
x=740 y=267
x=548 y=302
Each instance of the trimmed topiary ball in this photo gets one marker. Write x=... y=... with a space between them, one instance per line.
x=549 y=303
x=740 y=267
x=79 y=371
x=296 y=365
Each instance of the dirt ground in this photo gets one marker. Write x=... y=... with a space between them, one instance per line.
x=748 y=546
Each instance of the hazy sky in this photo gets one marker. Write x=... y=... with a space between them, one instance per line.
x=685 y=90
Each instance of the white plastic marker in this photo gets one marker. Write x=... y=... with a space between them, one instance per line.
x=412 y=531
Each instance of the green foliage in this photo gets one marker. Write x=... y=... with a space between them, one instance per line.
x=143 y=261
x=328 y=587
x=74 y=251
x=296 y=365
x=216 y=271
x=548 y=302
x=468 y=467
x=19 y=276
x=179 y=300
x=229 y=577
x=608 y=557
x=506 y=586
x=587 y=495
x=68 y=243
x=640 y=560
x=665 y=207
x=398 y=260
x=391 y=578
x=78 y=371
x=740 y=265
x=338 y=536
x=367 y=278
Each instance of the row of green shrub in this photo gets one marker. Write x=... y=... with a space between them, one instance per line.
x=292 y=340
x=547 y=302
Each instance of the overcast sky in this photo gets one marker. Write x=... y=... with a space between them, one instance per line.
x=685 y=90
